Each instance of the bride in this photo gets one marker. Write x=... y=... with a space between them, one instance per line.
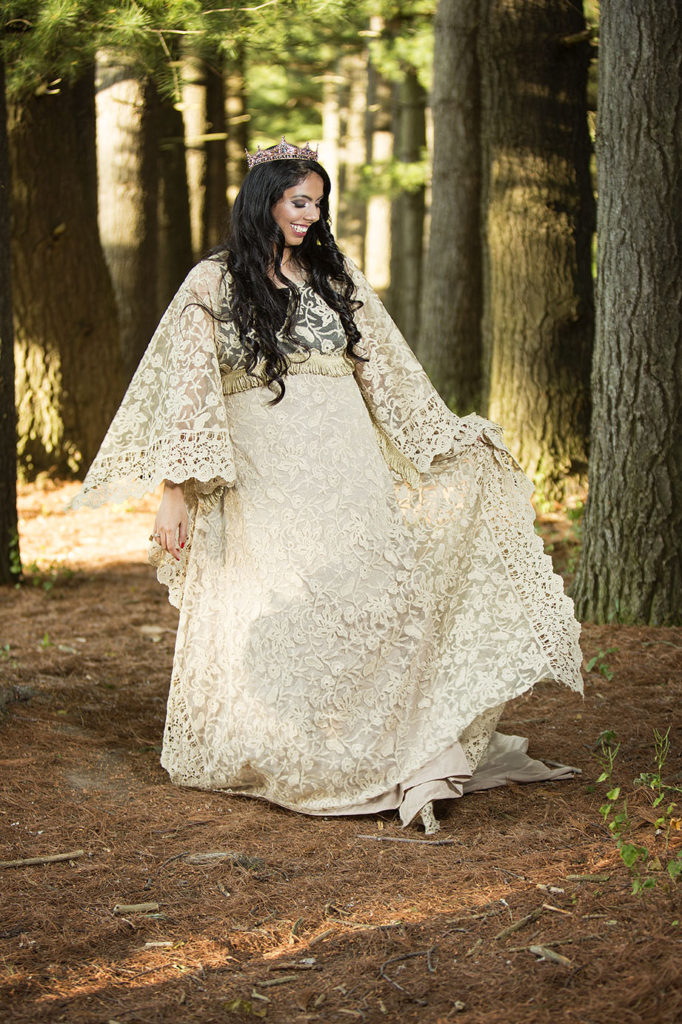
x=359 y=581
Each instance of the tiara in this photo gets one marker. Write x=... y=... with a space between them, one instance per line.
x=283 y=151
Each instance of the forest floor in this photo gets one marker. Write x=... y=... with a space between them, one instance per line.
x=519 y=911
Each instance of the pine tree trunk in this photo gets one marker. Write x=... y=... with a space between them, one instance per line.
x=379 y=155
x=175 y=238
x=10 y=565
x=538 y=216
x=631 y=566
x=237 y=123
x=204 y=105
x=127 y=160
x=407 y=223
x=450 y=329
x=214 y=222
x=68 y=365
x=331 y=133
x=351 y=228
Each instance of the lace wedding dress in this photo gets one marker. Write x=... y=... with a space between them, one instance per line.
x=362 y=588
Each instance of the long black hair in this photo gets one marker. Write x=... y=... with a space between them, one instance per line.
x=253 y=252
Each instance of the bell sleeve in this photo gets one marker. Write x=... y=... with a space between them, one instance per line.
x=413 y=424
x=172 y=422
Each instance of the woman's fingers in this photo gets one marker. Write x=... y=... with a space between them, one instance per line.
x=171 y=539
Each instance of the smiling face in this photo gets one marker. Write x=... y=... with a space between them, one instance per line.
x=299 y=208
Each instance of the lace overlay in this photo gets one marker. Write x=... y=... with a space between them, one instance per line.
x=362 y=588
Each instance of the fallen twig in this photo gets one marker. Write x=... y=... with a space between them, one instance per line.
x=399 y=839
x=516 y=925
x=135 y=908
x=51 y=858
x=269 y=982
x=557 y=910
x=587 y=878
x=556 y=942
x=548 y=954
x=396 y=959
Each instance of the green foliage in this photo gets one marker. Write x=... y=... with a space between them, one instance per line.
x=407 y=41
x=599 y=662
x=14 y=555
x=644 y=865
x=47 y=41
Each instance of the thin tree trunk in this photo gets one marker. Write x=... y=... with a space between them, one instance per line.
x=10 y=564
x=450 y=329
x=379 y=153
x=194 y=104
x=631 y=565
x=175 y=238
x=407 y=223
x=214 y=221
x=538 y=217
x=331 y=133
x=68 y=366
x=204 y=105
x=127 y=160
x=237 y=123
x=351 y=229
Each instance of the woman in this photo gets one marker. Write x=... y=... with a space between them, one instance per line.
x=360 y=585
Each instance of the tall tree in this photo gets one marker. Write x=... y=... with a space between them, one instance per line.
x=631 y=566
x=175 y=256
x=379 y=146
x=10 y=565
x=407 y=220
x=128 y=174
x=538 y=220
x=204 y=113
x=236 y=121
x=69 y=373
x=352 y=211
x=450 y=328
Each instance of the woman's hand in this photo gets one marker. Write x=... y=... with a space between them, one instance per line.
x=170 y=525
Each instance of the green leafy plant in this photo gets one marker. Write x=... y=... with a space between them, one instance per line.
x=643 y=865
x=600 y=663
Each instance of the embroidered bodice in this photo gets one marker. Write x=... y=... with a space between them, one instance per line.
x=316 y=328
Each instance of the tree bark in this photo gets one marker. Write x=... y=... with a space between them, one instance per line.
x=379 y=154
x=69 y=374
x=237 y=123
x=450 y=330
x=351 y=229
x=175 y=238
x=331 y=133
x=631 y=565
x=127 y=160
x=407 y=221
x=204 y=105
x=10 y=564
x=538 y=218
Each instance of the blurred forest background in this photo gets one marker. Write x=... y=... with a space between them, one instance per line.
x=460 y=139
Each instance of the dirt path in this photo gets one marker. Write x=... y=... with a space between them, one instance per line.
x=267 y=914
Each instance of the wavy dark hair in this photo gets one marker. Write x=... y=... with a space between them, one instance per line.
x=253 y=252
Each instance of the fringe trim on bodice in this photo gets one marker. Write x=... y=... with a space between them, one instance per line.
x=335 y=365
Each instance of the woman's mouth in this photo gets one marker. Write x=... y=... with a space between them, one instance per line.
x=299 y=229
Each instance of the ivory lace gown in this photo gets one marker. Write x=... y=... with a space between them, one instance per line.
x=362 y=588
